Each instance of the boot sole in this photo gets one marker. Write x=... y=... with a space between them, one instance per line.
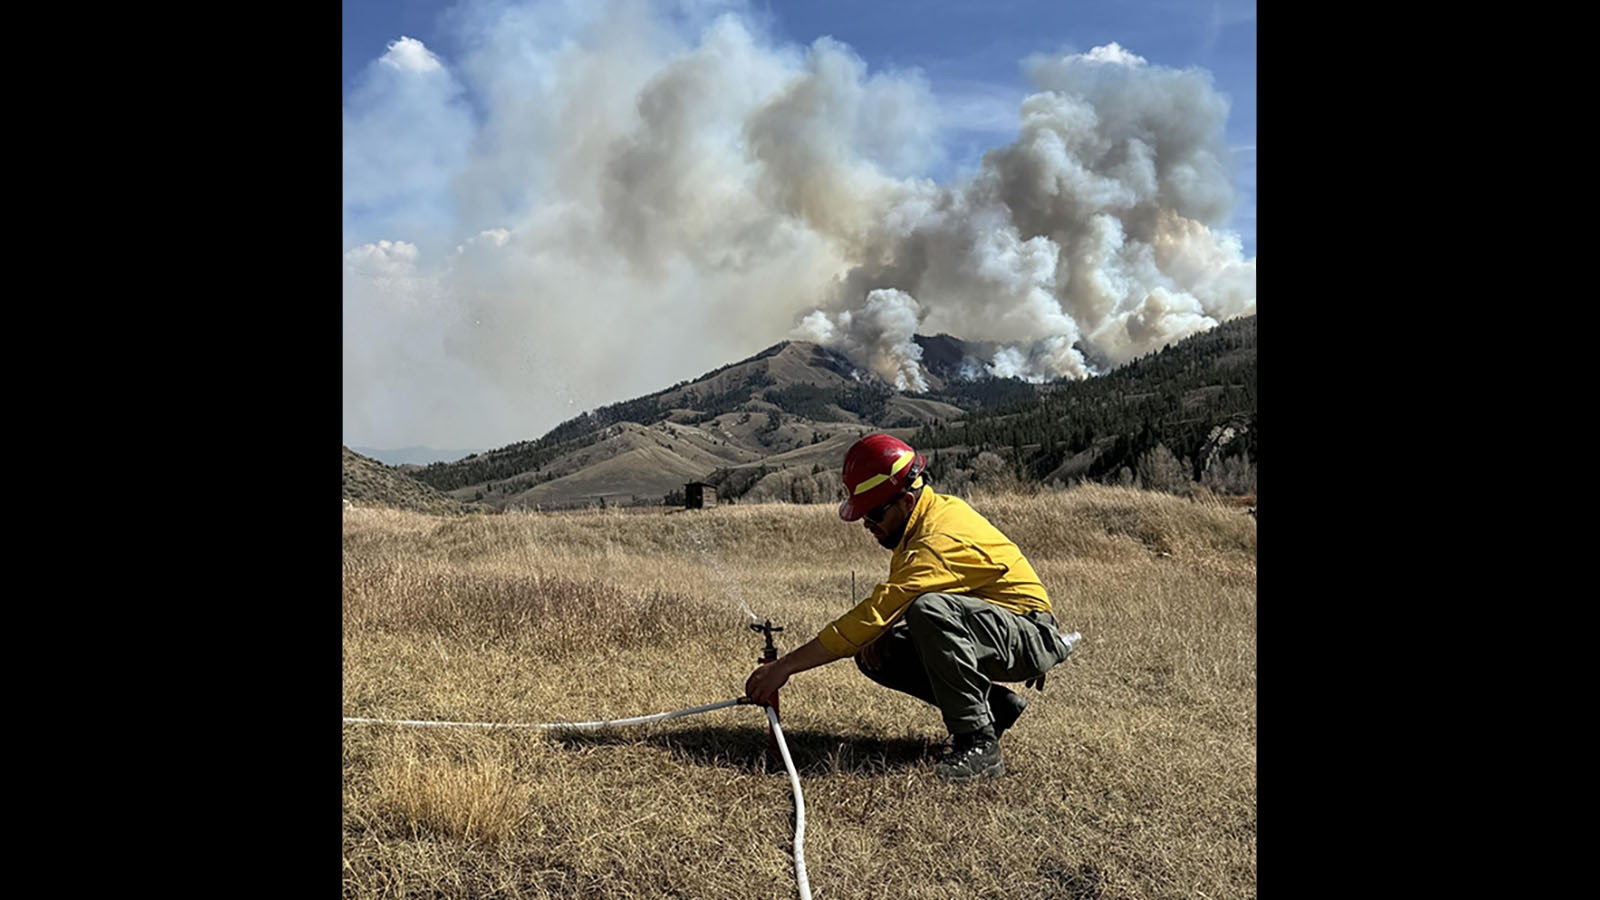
x=994 y=771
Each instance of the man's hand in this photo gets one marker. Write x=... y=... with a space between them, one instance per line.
x=763 y=684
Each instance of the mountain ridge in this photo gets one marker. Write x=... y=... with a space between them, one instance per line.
x=415 y=455
x=776 y=424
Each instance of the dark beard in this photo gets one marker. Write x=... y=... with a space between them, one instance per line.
x=891 y=541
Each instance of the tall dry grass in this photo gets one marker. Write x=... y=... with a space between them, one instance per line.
x=1131 y=776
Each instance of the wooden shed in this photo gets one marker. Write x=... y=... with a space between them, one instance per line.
x=698 y=495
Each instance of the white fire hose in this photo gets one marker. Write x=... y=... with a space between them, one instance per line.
x=772 y=717
x=607 y=723
x=799 y=809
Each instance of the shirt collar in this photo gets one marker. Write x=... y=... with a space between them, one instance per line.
x=914 y=521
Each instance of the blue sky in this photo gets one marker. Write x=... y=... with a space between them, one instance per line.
x=969 y=51
x=699 y=161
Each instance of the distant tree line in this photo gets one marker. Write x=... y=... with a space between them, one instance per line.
x=987 y=392
x=868 y=401
x=1173 y=400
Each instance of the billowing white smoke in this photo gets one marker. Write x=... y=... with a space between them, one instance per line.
x=878 y=336
x=595 y=201
x=1093 y=228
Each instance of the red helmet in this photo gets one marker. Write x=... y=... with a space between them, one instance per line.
x=877 y=469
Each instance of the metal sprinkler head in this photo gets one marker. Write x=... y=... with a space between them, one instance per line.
x=770 y=652
x=768 y=655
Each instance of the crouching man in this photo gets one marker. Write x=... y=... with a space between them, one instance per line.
x=961 y=610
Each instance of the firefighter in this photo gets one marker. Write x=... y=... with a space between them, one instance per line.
x=961 y=610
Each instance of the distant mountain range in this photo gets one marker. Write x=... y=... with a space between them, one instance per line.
x=776 y=425
x=415 y=456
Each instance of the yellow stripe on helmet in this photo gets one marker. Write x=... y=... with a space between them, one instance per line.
x=869 y=483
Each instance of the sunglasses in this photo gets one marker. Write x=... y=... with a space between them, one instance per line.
x=875 y=515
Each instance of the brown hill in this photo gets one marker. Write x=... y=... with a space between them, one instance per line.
x=628 y=464
x=775 y=425
x=792 y=406
x=367 y=482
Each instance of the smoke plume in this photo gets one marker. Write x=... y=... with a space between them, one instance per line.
x=590 y=202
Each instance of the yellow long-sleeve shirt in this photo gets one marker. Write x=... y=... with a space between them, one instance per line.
x=947 y=548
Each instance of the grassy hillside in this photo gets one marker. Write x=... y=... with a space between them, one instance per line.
x=1131 y=776
x=367 y=482
x=1184 y=415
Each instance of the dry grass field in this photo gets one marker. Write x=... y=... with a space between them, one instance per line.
x=1133 y=775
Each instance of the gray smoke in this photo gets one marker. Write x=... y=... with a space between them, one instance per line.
x=1095 y=227
x=596 y=201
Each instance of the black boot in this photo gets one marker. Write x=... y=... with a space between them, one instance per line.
x=973 y=755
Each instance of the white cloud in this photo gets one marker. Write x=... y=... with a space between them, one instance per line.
x=409 y=55
x=1114 y=54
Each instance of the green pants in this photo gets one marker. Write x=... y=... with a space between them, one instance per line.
x=949 y=649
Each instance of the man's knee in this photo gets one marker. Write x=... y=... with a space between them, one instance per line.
x=926 y=607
